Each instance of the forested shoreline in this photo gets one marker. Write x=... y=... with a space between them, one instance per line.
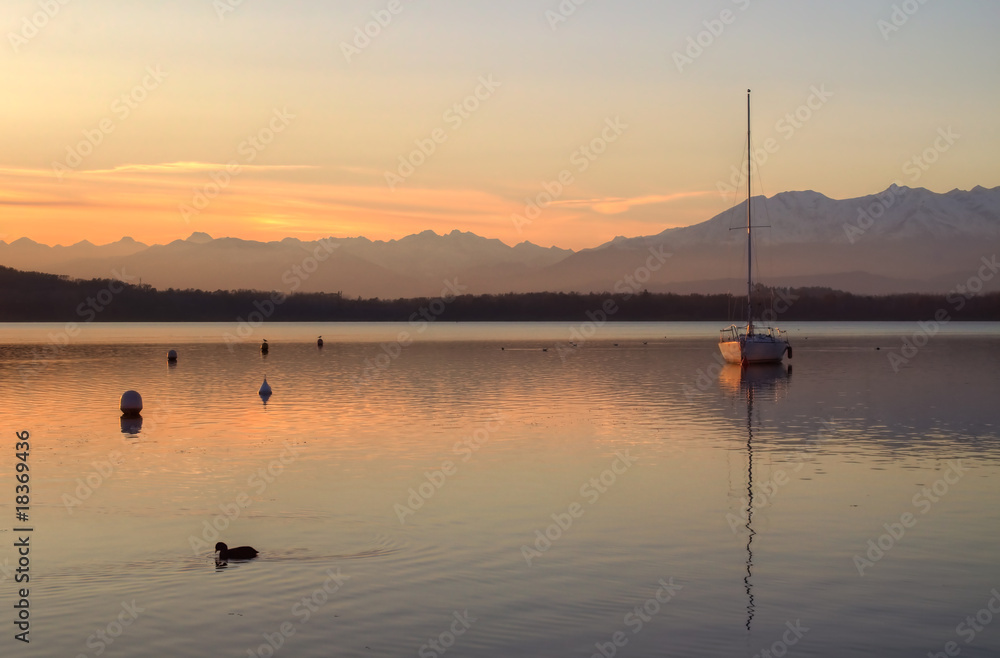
x=35 y=297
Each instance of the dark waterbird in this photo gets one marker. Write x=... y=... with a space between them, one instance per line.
x=238 y=553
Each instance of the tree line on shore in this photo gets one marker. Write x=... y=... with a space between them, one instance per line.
x=35 y=297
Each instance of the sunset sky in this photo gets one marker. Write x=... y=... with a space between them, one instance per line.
x=117 y=116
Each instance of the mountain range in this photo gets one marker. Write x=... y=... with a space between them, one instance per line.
x=901 y=240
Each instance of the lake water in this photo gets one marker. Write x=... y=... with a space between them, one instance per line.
x=469 y=494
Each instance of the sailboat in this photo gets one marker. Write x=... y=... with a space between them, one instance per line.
x=753 y=343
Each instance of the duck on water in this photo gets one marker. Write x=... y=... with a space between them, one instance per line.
x=238 y=553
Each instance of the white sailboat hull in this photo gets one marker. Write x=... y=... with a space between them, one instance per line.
x=754 y=351
x=739 y=346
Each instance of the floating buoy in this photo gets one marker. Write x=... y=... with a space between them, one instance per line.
x=172 y=356
x=131 y=403
x=319 y=342
x=263 y=347
x=265 y=388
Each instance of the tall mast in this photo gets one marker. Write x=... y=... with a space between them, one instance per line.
x=749 y=228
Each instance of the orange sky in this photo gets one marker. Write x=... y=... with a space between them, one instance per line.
x=459 y=117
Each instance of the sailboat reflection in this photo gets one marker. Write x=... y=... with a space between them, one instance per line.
x=767 y=381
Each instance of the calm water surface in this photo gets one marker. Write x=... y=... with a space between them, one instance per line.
x=629 y=496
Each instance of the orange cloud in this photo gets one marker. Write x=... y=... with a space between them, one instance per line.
x=162 y=202
x=619 y=205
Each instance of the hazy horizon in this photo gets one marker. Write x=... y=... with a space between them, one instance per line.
x=182 y=236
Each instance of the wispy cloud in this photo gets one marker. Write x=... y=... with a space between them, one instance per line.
x=619 y=205
x=143 y=200
x=189 y=167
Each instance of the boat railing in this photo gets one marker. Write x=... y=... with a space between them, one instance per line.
x=771 y=332
x=732 y=333
x=739 y=332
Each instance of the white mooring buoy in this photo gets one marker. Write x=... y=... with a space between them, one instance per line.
x=172 y=356
x=265 y=388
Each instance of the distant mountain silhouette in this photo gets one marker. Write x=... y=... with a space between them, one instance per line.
x=901 y=240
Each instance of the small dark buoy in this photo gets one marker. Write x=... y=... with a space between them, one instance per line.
x=131 y=404
x=238 y=553
x=503 y=349
x=878 y=349
x=319 y=342
x=545 y=349
x=265 y=388
x=263 y=347
x=172 y=356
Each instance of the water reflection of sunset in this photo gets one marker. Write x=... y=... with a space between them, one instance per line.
x=484 y=448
